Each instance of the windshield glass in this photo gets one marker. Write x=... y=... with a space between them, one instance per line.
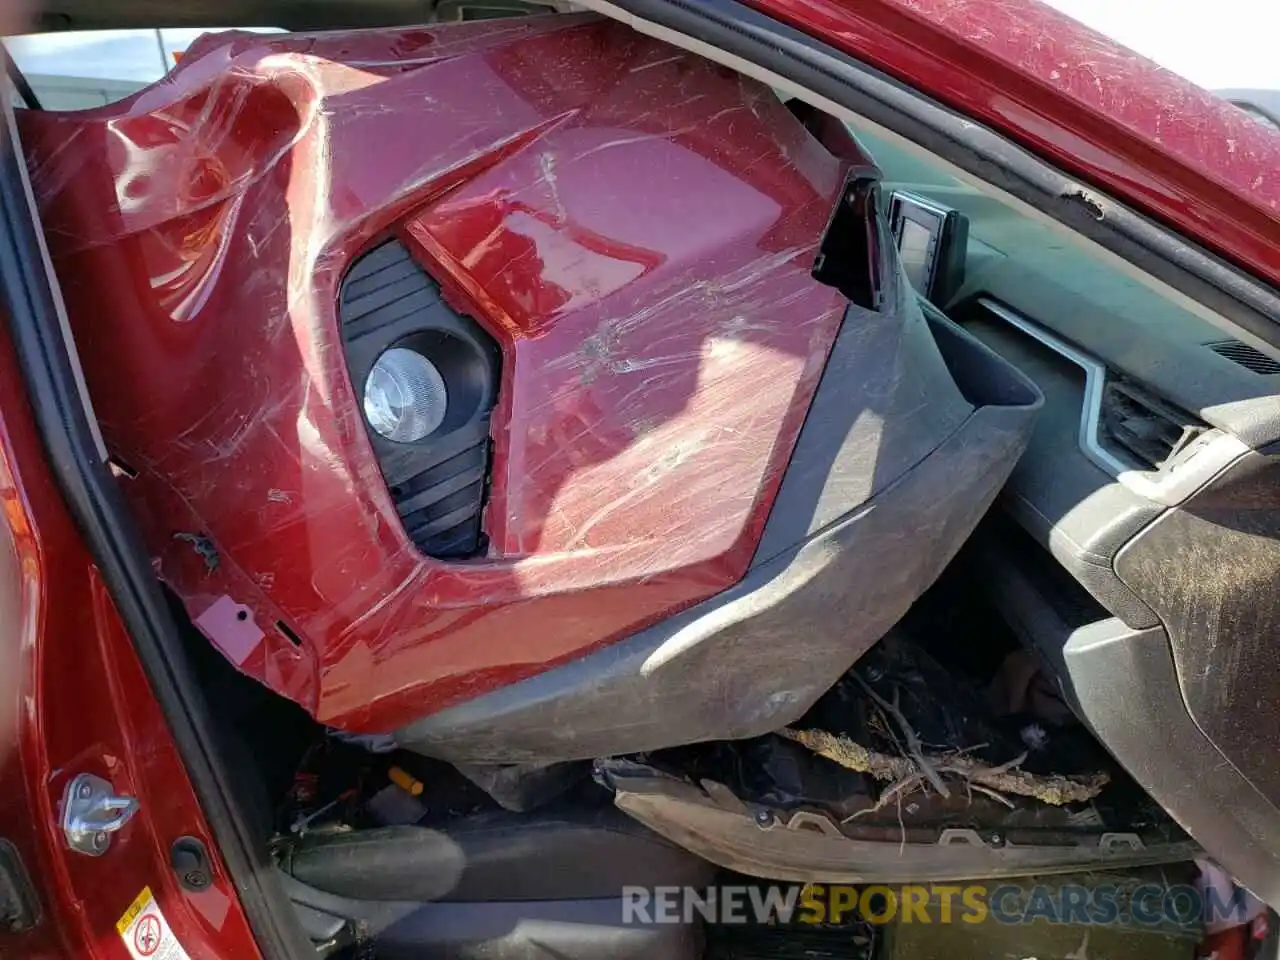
x=76 y=69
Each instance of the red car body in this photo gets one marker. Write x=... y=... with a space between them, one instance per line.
x=80 y=701
x=544 y=260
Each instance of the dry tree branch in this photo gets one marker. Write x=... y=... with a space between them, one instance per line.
x=993 y=794
x=1005 y=778
x=905 y=785
x=914 y=746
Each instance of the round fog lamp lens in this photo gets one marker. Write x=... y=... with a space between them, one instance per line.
x=405 y=397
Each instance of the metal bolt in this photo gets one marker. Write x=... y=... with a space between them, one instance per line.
x=996 y=839
x=196 y=879
x=190 y=861
x=100 y=840
x=764 y=817
x=85 y=791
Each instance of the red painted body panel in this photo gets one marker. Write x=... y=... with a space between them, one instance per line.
x=634 y=224
x=75 y=700
x=191 y=215
x=1082 y=101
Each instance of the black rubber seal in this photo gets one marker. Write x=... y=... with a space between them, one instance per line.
x=1182 y=264
x=94 y=501
x=19 y=80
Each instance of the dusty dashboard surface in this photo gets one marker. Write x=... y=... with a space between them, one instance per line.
x=1137 y=532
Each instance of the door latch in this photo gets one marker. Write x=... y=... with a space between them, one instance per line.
x=91 y=813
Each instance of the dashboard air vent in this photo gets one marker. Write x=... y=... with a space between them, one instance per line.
x=1245 y=355
x=1151 y=430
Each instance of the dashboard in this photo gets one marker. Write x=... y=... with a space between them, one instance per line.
x=1145 y=403
x=1136 y=545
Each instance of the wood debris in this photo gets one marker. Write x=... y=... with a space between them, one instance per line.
x=1007 y=778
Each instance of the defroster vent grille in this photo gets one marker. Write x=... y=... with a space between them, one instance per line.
x=1248 y=357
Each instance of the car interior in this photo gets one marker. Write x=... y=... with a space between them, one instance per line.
x=1104 y=632
x=1146 y=402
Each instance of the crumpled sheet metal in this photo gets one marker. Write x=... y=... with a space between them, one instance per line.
x=634 y=224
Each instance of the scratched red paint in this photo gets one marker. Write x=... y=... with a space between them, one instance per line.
x=77 y=701
x=1089 y=105
x=636 y=224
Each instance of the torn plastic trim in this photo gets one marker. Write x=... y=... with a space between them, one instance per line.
x=805 y=846
x=852 y=256
x=46 y=355
x=731 y=33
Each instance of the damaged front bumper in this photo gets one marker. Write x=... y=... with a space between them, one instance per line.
x=809 y=846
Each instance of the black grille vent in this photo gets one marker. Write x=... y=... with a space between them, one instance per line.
x=1153 y=431
x=440 y=497
x=1245 y=355
x=438 y=484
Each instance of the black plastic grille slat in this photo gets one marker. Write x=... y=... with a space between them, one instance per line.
x=376 y=259
x=384 y=276
x=455 y=543
x=1246 y=356
x=438 y=485
x=409 y=504
x=1152 y=430
x=429 y=528
x=364 y=274
x=382 y=297
x=408 y=472
x=392 y=311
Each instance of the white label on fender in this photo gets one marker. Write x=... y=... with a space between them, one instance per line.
x=146 y=933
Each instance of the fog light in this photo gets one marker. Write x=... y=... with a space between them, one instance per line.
x=404 y=397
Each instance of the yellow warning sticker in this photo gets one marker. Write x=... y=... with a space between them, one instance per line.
x=146 y=933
